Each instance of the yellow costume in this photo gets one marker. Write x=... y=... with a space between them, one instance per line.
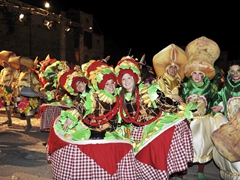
x=8 y=77
x=27 y=90
x=172 y=55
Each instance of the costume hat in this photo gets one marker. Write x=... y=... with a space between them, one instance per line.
x=91 y=65
x=99 y=72
x=26 y=61
x=107 y=74
x=4 y=56
x=94 y=66
x=201 y=54
x=128 y=65
x=170 y=56
x=16 y=61
x=68 y=81
x=203 y=47
x=44 y=63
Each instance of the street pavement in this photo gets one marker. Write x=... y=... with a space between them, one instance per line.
x=23 y=156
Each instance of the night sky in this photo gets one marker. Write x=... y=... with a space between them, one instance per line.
x=147 y=28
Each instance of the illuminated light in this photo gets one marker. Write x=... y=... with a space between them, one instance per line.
x=47 y=5
x=47 y=23
x=68 y=25
x=21 y=16
x=67 y=29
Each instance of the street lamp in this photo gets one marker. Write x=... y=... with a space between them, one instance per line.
x=47 y=5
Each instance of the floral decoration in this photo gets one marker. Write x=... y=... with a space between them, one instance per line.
x=1 y=103
x=27 y=104
x=5 y=95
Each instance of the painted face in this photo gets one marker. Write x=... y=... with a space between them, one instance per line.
x=197 y=77
x=172 y=70
x=127 y=82
x=81 y=86
x=110 y=86
x=234 y=72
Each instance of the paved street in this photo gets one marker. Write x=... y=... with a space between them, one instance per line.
x=23 y=157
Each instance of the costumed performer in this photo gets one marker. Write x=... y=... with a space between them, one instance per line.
x=147 y=74
x=8 y=78
x=169 y=67
x=219 y=79
x=56 y=100
x=228 y=103
x=201 y=53
x=156 y=124
x=41 y=66
x=97 y=109
x=51 y=74
x=89 y=126
x=27 y=88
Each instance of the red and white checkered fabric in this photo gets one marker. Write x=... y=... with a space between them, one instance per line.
x=181 y=150
x=179 y=154
x=47 y=116
x=137 y=132
x=70 y=162
x=147 y=172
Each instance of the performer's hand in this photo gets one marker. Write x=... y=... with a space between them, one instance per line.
x=177 y=97
x=216 y=108
x=67 y=124
x=63 y=102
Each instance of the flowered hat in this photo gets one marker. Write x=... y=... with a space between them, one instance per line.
x=172 y=55
x=128 y=65
x=201 y=54
x=99 y=72
x=54 y=70
x=68 y=81
x=48 y=61
x=90 y=67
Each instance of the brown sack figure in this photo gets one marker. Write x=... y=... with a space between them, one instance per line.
x=227 y=140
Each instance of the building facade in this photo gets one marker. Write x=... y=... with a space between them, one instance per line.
x=41 y=33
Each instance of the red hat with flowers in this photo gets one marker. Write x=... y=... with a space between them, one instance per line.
x=68 y=81
x=128 y=65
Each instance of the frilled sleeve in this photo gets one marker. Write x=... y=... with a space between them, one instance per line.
x=154 y=97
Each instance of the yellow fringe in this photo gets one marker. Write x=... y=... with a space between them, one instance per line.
x=200 y=117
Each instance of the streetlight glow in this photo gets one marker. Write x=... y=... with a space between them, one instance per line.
x=47 y=5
